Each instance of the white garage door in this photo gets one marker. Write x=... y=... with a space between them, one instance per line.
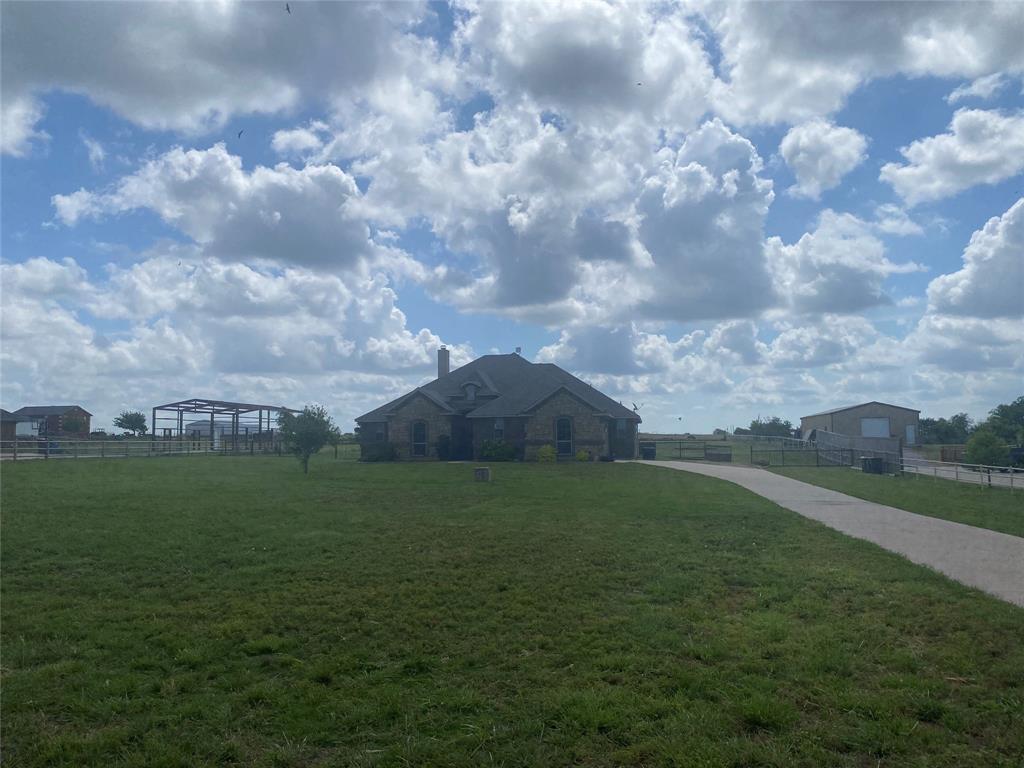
x=874 y=427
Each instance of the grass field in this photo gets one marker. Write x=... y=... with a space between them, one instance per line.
x=995 y=508
x=230 y=611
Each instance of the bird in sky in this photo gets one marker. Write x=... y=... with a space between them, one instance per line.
x=639 y=83
x=241 y=132
x=637 y=407
x=288 y=8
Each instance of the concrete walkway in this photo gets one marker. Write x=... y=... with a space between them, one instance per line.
x=977 y=557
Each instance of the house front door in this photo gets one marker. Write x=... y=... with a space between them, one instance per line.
x=620 y=439
x=563 y=436
x=462 y=439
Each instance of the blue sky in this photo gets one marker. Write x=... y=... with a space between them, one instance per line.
x=628 y=191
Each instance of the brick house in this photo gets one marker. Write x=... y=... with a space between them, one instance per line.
x=501 y=397
x=8 y=425
x=57 y=420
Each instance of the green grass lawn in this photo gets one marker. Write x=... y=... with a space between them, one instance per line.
x=995 y=508
x=230 y=611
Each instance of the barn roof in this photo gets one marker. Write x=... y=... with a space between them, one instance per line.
x=860 y=405
x=48 y=410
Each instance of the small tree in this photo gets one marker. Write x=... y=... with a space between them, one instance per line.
x=773 y=427
x=307 y=432
x=986 y=447
x=132 y=421
x=1007 y=420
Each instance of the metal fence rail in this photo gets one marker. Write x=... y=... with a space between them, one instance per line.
x=710 y=450
x=787 y=442
x=60 y=448
x=982 y=474
x=785 y=452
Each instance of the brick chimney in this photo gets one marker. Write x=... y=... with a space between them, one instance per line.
x=443 y=361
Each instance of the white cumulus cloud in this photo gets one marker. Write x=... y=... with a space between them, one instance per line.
x=841 y=267
x=982 y=147
x=991 y=282
x=983 y=88
x=820 y=154
x=279 y=215
x=789 y=62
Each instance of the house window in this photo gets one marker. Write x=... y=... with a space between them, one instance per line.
x=378 y=434
x=470 y=390
x=563 y=436
x=419 y=438
x=499 y=429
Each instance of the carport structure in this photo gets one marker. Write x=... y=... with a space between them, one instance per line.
x=247 y=420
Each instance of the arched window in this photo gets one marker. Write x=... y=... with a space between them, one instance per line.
x=563 y=436
x=419 y=438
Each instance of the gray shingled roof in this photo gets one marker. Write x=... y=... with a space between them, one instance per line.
x=508 y=385
x=859 y=405
x=47 y=410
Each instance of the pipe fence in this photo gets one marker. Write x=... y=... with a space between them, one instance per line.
x=793 y=453
x=29 y=448
x=981 y=474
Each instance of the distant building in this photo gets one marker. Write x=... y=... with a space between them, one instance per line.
x=53 y=421
x=874 y=419
x=200 y=430
x=501 y=398
x=8 y=425
x=223 y=431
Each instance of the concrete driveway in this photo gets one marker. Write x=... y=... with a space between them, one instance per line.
x=977 y=557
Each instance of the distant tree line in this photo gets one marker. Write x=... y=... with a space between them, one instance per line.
x=1005 y=421
x=773 y=426
x=988 y=442
x=942 y=431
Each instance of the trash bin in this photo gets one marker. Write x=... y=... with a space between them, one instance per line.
x=648 y=451
x=872 y=465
